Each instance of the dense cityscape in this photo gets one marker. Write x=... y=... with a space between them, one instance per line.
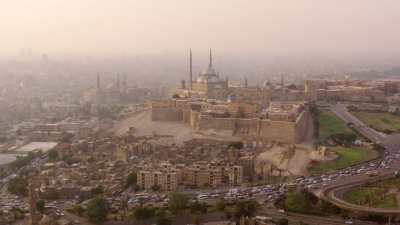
x=199 y=136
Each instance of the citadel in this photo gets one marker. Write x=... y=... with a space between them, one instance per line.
x=263 y=113
x=251 y=113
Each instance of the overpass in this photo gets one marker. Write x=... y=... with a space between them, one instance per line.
x=334 y=193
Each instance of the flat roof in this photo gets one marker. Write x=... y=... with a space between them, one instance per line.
x=43 y=146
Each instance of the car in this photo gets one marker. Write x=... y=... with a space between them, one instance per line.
x=348 y=222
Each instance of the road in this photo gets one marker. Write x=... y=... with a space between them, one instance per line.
x=391 y=143
x=341 y=111
x=294 y=218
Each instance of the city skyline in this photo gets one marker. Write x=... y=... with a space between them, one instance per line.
x=329 y=29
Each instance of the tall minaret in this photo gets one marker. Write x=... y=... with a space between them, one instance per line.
x=124 y=84
x=98 y=81
x=282 y=81
x=118 y=82
x=190 y=70
x=210 y=65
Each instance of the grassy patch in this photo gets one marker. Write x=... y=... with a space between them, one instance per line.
x=346 y=157
x=380 y=121
x=330 y=124
x=298 y=202
x=307 y=203
x=375 y=195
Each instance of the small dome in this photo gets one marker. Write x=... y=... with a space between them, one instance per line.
x=267 y=83
x=208 y=78
x=209 y=71
x=201 y=79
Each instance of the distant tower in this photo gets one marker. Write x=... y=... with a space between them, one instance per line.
x=98 y=81
x=118 y=82
x=190 y=70
x=210 y=64
x=183 y=84
x=124 y=84
x=282 y=81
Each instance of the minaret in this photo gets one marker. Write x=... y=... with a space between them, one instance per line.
x=124 y=84
x=190 y=70
x=282 y=81
x=98 y=81
x=118 y=82
x=210 y=64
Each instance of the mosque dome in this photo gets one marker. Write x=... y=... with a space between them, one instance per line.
x=202 y=79
x=209 y=71
x=267 y=83
x=208 y=75
x=208 y=78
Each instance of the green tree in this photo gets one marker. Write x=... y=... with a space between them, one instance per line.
x=144 y=213
x=178 y=203
x=247 y=209
x=97 y=209
x=197 y=207
x=77 y=209
x=131 y=179
x=98 y=190
x=281 y=221
x=53 y=155
x=40 y=205
x=345 y=139
x=18 y=186
x=220 y=205
x=297 y=202
x=302 y=223
x=161 y=218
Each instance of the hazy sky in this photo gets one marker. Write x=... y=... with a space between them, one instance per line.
x=330 y=28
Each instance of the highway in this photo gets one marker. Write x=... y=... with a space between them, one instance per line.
x=391 y=143
x=341 y=111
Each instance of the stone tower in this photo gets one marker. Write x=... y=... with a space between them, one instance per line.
x=190 y=70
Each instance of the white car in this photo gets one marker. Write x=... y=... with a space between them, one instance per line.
x=348 y=222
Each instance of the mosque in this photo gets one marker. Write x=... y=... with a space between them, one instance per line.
x=208 y=84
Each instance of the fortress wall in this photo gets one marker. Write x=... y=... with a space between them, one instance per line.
x=207 y=123
x=163 y=104
x=255 y=129
x=247 y=127
x=194 y=119
x=281 y=131
x=186 y=114
x=166 y=114
x=181 y=104
x=303 y=123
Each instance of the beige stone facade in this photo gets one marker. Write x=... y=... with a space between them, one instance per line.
x=235 y=174
x=348 y=90
x=164 y=180
x=285 y=122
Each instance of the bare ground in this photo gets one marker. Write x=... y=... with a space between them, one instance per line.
x=181 y=132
